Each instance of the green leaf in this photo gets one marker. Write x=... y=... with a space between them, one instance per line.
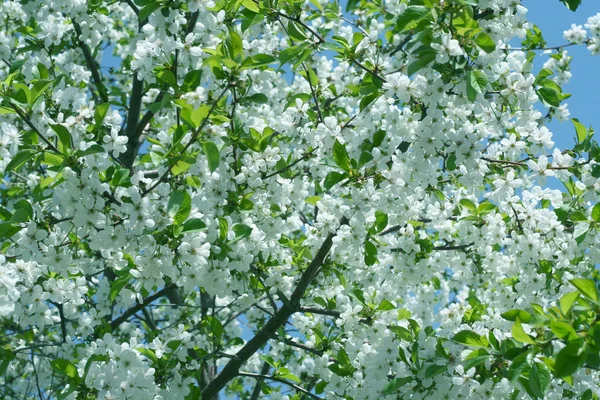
x=146 y=11
x=469 y=205
x=395 y=384
x=425 y=58
x=370 y=256
x=563 y=330
x=63 y=135
x=192 y=80
x=168 y=77
x=197 y=115
x=149 y=353
x=313 y=200
x=211 y=151
x=512 y=315
x=567 y=300
x=434 y=370
x=216 y=328
x=410 y=17
x=518 y=365
x=596 y=212
x=549 y=96
x=180 y=206
x=241 y=231
x=586 y=287
x=8 y=230
x=333 y=178
x=368 y=99
x=340 y=156
x=477 y=82
x=251 y=5
x=6 y=110
x=571 y=4
x=385 y=306
x=381 y=221
x=569 y=359
x=236 y=45
x=289 y=54
x=471 y=338
x=39 y=88
x=100 y=113
x=258 y=60
x=118 y=285
x=484 y=41
x=539 y=379
x=223 y=228
x=259 y=98
x=193 y=225
x=64 y=367
x=19 y=159
x=180 y=166
x=580 y=130
x=518 y=333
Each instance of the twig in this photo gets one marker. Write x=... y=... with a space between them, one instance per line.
x=287 y=167
x=298 y=21
x=281 y=380
x=37 y=381
x=30 y=124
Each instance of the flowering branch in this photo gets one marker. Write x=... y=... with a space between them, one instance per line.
x=281 y=316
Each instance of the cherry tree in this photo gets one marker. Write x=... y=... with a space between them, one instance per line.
x=294 y=200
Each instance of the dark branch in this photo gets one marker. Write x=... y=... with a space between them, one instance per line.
x=91 y=63
x=133 y=116
x=131 y=311
x=256 y=392
x=320 y=311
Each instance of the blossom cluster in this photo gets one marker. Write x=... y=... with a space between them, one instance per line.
x=235 y=210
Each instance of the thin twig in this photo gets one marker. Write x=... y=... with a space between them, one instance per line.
x=30 y=124
x=281 y=380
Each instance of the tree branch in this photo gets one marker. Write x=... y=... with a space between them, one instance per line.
x=91 y=63
x=63 y=321
x=256 y=392
x=131 y=311
x=320 y=311
x=231 y=369
x=281 y=380
x=133 y=116
x=30 y=124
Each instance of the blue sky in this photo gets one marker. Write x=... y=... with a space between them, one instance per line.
x=552 y=17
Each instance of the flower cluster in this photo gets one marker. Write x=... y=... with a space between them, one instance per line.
x=264 y=198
